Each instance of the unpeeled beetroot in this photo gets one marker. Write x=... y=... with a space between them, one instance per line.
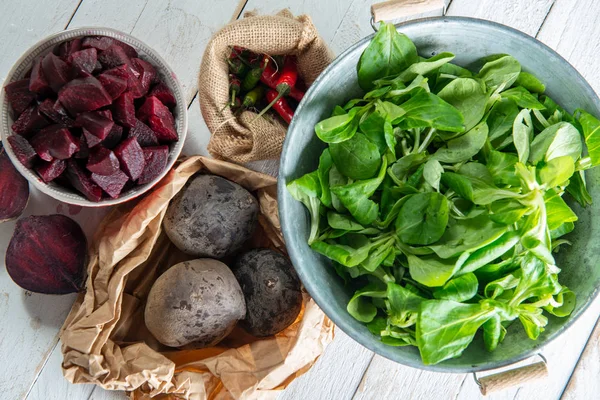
x=84 y=94
x=159 y=118
x=102 y=43
x=56 y=71
x=124 y=110
x=23 y=150
x=39 y=262
x=81 y=181
x=84 y=60
x=19 y=96
x=144 y=135
x=14 y=189
x=29 y=121
x=131 y=157
x=102 y=161
x=95 y=123
x=111 y=184
x=49 y=171
x=164 y=94
x=155 y=159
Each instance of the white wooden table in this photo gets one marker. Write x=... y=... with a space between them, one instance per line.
x=179 y=29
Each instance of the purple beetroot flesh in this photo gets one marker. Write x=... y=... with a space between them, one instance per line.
x=67 y=48
x=114 y=56
x=29 y=121
x=164 y=94
x=23 y=150
x=54 y=142
x=38 y=262
x=105 y=114
x=156 y=159
x=114 y=84
x=102 y=161
x=54 y=111
x=49 y=171
x=81 y=181
x=91 y=140
x=114 y=137
x=159 y=118
x=131 y=157
x=84 y=60
x=84 y=148
x=37 y=81
x=124 y=110
x=102 y=43
x=14 y=189
x=56 y=71
x=95 y=123
x=111 y=184
x=147 y=76
x=19 y=96
x=85 y=94
x=144 y=135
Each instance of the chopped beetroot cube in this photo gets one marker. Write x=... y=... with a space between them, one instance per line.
x=49 y=171
x=102 y=161
x=114 y=137
x=144 y=135
x=67 y=48
x=115 y=85
x=105 y=114
x=90 y=139
x=159 y=118
x=85 y=94
x=81 y=181
x=113 y=56
x=37 y=81
x=29 y=121
x=131 y=157
x=56 y=71
x=111 y=184
x=164 y=94
x=156 y=159
x=84 y=149
x=102 y=43
x=23 y=150
x=56 y=113
x=95 y=124
x=147 y=76
x=84 y=60
x=54 y=142
x=124 y=110
x=19 y=96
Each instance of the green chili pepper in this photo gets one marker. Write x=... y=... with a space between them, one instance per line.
x=253 y=96
x=251 y=79
x=237 y=67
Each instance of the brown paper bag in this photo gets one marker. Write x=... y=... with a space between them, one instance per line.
x=236 y=138
x=105 y=340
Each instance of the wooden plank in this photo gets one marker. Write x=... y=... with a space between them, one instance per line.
x=584 y=383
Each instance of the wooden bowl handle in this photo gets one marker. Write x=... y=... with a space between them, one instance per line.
x=512 y=377
x=394 y=9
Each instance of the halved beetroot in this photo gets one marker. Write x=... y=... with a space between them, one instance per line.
x=164 y=94
x=159 y=118
x=114 y=56
x=14 y=189
x=103 y=42
x=49 y=171
x=81 y=181
x=131 y=157
x=124 y=110
x=37 y=81
x=19 y=96
x=84 y=60
x=56 y=71
x=95 y=124
x=114 y=137
x=29 y=121
x=102 y=161
x=156 y=159
x=23 y=150
x=56 y=113
x=67 y=48
x=111 y=184
x=85 y=94
x=147 y=76
x=84 y=148
x=144 y=135
x=114 y=84
x=47 y=254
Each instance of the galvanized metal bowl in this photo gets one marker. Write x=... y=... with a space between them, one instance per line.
x=45 y=46
x=469 y=39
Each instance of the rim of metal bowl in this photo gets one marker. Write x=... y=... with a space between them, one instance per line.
x=312 y=288
x=162 y=68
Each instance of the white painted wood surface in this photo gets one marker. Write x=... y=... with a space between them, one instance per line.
x=179 y=30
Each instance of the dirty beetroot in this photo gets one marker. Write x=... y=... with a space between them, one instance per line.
x=47 y=266
x=93 y=116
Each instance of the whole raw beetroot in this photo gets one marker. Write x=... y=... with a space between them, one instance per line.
x=47 y=254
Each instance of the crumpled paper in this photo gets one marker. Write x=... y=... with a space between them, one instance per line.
x=104 y=338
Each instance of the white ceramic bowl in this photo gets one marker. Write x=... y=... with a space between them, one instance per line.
x=45 y=46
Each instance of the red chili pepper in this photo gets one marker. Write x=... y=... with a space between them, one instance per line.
x=270 y=77
x=288 y=78
x=280 y=105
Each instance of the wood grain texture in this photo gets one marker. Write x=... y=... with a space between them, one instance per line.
x=584 y=383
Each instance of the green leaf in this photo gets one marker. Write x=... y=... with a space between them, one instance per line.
x=523 y=134
x=307 y=189
x=578 y=189
x=489 y=253
x=360 y=305
x=400 y=169
x=423 y=219
x=468 y=97
x=426 y=66
x=562 y=230
x=557 y=171
x=535 y=280
x=523 y=98
x=325 y=163
x=390 y=137
x=507 y=212
x=342 y=221
x=389 y=53
x=336 y=179
x=403 y=305
x=432 y=172
x=501 y=72
x=428 y=110
x=474 y=189
x=561 y=139
x=501 y=119
x=445 y=328
x=557 y=211
x=398 y=92
x=530 y=82
x=498 y=287
x=591 y=132
x=430 y=270
x=493 y=333
x=464 y=147
x=458 y=289
x=338 y=128
x=564 y=303
x=356 y=158
x=372 y=127
x=502 y=167
x=390 y=111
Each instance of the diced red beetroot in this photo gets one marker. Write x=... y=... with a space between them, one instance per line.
x=56 y=113
x=159 y=118
x=29 y=121
x=14 y=189
x=23 y=150
x=37 y=81
x=144 y=135
x=56 y=71
x=113 y=56
x=19 y=96
x=127 y=73
x=90 y=139
x=103 y=42
x=67 y=48
x=147 y=76
x=156 y=159
x=124 y=110
x=49 y=171
x=112 y=184
x=81 y=181
x=84 y=60
x=54 y=142
x=131 y=157
x=102 y=161
x=164 y=94
x=85 y=94
x=114 y=137
x=95 y=124
x=114 y=85
x=84 y=149
x=97 y=67
x=105 y=114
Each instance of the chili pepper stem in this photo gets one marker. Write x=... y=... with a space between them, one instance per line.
x=268 y=107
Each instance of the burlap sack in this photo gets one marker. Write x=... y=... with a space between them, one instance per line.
x=104 y=338
x=236 y=138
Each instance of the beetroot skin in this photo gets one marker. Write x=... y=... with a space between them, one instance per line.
x=156 y=159
x=38 y=262
x=14 y=189
x=131 y=157
x=23 y=150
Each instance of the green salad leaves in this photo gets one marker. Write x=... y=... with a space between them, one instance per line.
x=440 y=197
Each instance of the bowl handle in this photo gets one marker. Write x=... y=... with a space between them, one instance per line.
x=394 y=9
x=512 y=377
